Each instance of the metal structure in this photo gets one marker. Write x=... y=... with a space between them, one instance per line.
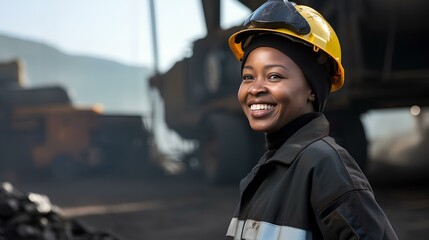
x=385 y=59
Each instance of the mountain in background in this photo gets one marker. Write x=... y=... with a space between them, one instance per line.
x=119 y=88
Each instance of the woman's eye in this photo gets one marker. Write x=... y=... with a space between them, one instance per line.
x=275 y=77
x=247 y=77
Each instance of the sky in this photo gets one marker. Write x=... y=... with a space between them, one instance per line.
x=114 y=29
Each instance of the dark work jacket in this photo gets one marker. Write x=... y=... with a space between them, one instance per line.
x=310 y=188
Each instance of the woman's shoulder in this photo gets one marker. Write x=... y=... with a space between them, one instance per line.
x=331 y=170
x=328 y=160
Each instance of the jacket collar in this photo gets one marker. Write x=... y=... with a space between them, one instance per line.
x=311 y=132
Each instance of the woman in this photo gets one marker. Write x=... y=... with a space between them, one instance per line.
x=305 y=186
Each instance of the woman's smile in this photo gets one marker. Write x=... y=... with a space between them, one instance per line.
x=261 y=110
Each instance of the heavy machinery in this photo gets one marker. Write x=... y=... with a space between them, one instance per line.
x=41 y=131
x=385 y=59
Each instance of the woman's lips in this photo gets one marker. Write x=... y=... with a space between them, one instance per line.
x=260 y=110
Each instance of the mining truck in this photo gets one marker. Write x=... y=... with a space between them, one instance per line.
x=384 y=52
x=43 y=133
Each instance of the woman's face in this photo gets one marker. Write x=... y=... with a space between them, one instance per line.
x=273 y=90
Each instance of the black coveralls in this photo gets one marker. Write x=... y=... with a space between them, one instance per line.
x=309 y=188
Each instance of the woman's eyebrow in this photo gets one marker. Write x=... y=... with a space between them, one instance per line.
x=276 y=65
x=267 y=66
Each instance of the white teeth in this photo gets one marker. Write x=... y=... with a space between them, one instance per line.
x=260 y=106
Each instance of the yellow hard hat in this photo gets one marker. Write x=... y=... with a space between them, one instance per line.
x=297 y=22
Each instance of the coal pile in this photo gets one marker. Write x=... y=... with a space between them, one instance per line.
x=32 y=217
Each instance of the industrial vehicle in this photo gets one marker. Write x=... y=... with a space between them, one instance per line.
x=42 y=132
x=384 y=52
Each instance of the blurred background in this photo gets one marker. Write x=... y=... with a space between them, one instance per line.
x=124 y=113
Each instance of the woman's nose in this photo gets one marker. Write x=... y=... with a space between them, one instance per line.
x=258 y=87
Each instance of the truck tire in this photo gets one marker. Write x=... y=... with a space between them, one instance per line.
x=225 y=151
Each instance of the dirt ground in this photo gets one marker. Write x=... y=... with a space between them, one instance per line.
x=184 y=207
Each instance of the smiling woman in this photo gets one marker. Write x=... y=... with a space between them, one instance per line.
x=274 y=90
x=305 y=186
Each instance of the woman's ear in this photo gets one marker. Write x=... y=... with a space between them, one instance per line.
x=312 y=97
